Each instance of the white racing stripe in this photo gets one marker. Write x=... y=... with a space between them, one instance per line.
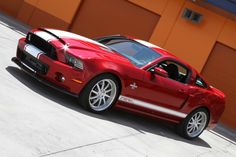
x=151 y=106
x=45 y=35
x=64 y=34
x=34 y=51
x=147 y=43
x=72 y=35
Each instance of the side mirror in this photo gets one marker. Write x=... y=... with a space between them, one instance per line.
x=160 y=71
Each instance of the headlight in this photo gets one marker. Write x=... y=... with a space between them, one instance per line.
x=75 y=62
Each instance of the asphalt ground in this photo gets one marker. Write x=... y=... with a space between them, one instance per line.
x=36 y=120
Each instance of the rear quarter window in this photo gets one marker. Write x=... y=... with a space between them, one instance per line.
x=200 y=82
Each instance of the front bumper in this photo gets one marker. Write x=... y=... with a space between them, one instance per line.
x=33 y=74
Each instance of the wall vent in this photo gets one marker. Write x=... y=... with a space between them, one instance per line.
x=192 y=16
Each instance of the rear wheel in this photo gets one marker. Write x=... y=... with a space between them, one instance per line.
x=100 y=93
x=194 y=124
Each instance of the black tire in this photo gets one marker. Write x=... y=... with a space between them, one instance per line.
x=85 y=96
x=184 y=127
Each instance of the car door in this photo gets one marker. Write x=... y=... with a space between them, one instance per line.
x=162 y=94
x=171 y=91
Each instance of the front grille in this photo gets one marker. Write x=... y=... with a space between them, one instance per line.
x=41 y=44
x=32 y=62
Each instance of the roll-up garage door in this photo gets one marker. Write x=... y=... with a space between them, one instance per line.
x=100 y=18
x=220 y=71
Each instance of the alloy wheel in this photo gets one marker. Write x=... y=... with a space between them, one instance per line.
x=102 y=94
x=196 y=124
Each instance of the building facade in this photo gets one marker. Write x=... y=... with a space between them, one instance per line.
x=202 y=32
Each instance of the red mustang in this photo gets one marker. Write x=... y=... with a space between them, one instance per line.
x=126 y=73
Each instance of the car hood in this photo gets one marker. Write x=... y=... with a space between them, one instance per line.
x=80 y=46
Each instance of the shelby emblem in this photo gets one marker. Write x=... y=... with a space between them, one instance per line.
x=133 y=86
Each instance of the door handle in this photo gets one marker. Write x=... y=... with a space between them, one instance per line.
x=182 y=91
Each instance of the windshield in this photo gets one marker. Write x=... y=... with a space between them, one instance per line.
x=138 y=54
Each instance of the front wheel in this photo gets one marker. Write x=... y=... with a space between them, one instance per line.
x=194 y=124
x=100 y=93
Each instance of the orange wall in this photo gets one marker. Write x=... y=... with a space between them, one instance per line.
x=53 y=13
x=156 y=6
x=64 y=10
x=193 y=42
x=10 y=7
x=26 y=10
x=166 y=22
x=228 y=34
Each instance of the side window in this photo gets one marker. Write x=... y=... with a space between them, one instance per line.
x=199 y=82
x=175 y=71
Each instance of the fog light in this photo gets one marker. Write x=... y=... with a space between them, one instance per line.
x=59 y=77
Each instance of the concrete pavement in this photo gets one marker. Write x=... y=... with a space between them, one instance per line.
x=36 y=120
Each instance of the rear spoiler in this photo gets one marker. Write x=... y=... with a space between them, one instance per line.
x=45 y=30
